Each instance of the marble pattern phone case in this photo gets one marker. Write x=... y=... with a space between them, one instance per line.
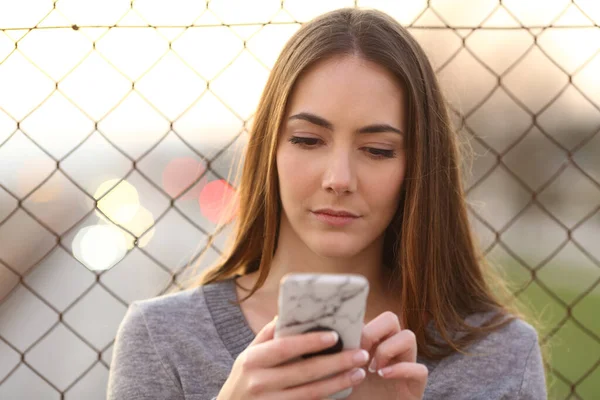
x=309 y=302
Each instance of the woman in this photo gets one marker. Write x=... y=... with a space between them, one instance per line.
x=351 y=167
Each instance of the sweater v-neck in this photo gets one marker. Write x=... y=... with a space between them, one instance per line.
x=230 y=322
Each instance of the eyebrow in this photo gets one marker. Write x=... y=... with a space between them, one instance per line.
x=320 y=121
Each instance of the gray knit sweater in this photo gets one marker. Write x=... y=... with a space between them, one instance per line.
x=183 y=345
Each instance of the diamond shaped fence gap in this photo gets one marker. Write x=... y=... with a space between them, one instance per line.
x=28 y=384
x=464 y=91
x=55 y=51
x=570 y=49
x=570 y=197
x=90 y=13
x=534 y=159
x=499 y=121
x=90 y=386
x=135 y=126
x=121 y=124
x=529 y=12
x=29 y=165
x=266 y=44
x=47 y=203
x=57 y=116
x=455 y=16
x=24 y=87
x=305 y=11
x=52 y=356
x=439 y=45
x=118 y=44
x=49 y=275
x=571 y=119
x=405 y=12
x=512 y=43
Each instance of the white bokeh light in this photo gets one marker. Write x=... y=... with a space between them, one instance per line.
x=120 y=204
x=99 y=247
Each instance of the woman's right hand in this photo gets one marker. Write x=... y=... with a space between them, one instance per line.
x=258 y=374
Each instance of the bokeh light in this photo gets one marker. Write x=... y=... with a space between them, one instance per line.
x=141 y=221
x=99 y=247
x=218 y=201
x=120 y=204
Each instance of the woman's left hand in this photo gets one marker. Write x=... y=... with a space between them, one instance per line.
x=394 y=356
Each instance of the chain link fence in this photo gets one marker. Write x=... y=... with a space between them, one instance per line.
x=120 y=120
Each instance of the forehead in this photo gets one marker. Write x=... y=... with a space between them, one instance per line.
x=349 y=86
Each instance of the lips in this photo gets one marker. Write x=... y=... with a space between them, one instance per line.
x=335 y=218
x=336 y=213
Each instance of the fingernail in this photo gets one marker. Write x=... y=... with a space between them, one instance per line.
x=384 y=371
x=372 y=368
x=361 y=356
x=358 y=375
x=330 y=337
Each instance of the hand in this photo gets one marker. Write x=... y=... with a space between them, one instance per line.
x=394 y=352
x=258 y=372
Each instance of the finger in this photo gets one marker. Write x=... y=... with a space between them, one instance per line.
x=266 y=333
x=324 y=388
x=313 y=369
x=416 y=374
x=401 y=347
x=380 y=328
x=288 y=348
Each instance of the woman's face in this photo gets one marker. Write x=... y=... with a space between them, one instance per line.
x=341 y=147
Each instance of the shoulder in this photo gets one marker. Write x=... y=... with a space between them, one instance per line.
x=513 y=337
x=159 y=318
x=492 y=367
x=179 y=328
x=172 y=318
x=169 y=341
x=141 y=357
x=170 y=323
x=169 y=306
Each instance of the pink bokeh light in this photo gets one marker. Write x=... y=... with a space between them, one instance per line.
x=215 y=200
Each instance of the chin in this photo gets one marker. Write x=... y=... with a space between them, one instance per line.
x=335 y=247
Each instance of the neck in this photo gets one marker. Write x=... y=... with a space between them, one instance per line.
x=293 y=256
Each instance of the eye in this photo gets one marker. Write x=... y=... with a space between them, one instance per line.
x=304 y=141
x=380 y=153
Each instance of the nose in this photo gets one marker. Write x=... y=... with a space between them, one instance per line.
x=339 y=176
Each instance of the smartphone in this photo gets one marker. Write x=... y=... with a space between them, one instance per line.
x=311 y=302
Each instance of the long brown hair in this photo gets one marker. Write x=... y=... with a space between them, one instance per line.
x=429 y=246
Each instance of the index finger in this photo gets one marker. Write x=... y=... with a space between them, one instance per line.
x=284 y=349
x=384 y=326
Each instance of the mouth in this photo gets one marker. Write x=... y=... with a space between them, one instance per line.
x=336 y=213
x=335 y=218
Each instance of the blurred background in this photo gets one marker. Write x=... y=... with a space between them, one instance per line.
x=120 y=121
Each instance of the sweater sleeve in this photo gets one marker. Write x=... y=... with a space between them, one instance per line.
x=533 y=385
x=137 y=371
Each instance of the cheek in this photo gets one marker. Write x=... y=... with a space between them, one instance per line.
x=384 y=193
x=297 y=177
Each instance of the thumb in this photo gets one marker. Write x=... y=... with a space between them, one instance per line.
x=266 y=333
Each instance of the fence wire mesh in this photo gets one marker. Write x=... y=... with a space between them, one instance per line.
x=118 y=125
